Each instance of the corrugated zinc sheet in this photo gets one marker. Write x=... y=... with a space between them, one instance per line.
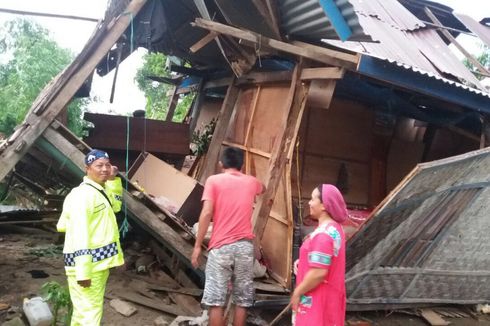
x=420 y=48
x=387 y=11
x=481 y=30
x=445 y=80
x=307 y=19
x=419 y=246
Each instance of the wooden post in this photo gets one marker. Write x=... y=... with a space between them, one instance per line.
x=219 y=134
x=280 y=154
x=62 y=89
x=172 y=105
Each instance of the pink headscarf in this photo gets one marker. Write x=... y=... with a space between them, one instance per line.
x=334 y=203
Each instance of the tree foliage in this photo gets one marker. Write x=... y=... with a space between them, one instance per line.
x=483 y=58
x=29 y=59
x=157 y=98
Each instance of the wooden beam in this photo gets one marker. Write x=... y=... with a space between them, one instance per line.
x=43 y=14
x=316 y=53
x=203 y=42
x=250 y=149
x=451 y=38
x=61 y=90
x=172 y=309
x=278 y=161
x=219 y=134
x=272 y=8
x=162 y=231
x=172 y=105
x=266 y=11
x=322 y=73
x=264 y=77
x=215 y=83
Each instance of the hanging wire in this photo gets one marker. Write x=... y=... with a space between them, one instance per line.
x=124 y=229
x=298 y=183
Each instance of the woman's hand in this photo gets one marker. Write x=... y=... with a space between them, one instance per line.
x=295 y=300
x=295 y=267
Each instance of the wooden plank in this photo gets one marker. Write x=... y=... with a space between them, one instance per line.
x=219 y=134
x=451 y=38
x=249 y=128
x=68 y=149
x=47 y=220
x=203 y=42
x=151 y=303
x=251 y=150
x=163 y=232
x=296 y=103
x=316 y=53
x=433 y=318
x=188 y=291
x=69 y=81
x=172 y=105
x=269 y=287
x=264 y=77
x=42 y=14
x=322 y=73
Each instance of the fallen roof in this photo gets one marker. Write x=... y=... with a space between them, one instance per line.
x=420 y=48
x=419 y=247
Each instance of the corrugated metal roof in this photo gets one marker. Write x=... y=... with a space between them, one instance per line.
x=307 y=19
x=445 y=80
x=481 y=30
x=407 y=249
x=408 y=44
x=388 y=11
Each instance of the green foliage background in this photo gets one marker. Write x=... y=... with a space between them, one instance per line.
x=157 y=99
x=29 y=59
x=483 y=58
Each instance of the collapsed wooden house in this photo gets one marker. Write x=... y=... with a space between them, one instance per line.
x=344 y=92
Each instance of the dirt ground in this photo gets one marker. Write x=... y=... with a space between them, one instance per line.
x=29 y=253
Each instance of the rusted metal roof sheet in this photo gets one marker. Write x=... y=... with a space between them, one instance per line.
x=387 y=11
x=479 y=29
x=419 y=247
x=408 y=44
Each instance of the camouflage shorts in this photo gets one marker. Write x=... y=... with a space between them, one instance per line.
x=230 y=264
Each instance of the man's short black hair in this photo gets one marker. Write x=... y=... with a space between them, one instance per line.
x=232 y=157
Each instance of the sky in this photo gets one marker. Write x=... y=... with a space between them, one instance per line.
x=73 y=34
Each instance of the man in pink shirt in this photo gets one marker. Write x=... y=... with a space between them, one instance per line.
x=228 y=200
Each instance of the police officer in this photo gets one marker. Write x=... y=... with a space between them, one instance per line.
x=92 y=239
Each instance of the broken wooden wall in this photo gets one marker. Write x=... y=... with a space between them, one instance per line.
x=259 y=117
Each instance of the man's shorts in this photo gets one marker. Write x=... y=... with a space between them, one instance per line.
x=232 y=262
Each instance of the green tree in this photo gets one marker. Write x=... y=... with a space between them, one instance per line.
x=157 y=100
x=29 y=59
x=483 y=58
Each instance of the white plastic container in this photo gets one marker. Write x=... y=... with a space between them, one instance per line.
x=37 y=312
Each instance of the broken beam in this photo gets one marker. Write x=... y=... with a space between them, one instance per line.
x=203 y=42
x=61 y=90
x=451 y=39
x=316 y=53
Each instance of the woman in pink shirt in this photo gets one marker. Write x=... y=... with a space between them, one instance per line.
x=319 y=297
